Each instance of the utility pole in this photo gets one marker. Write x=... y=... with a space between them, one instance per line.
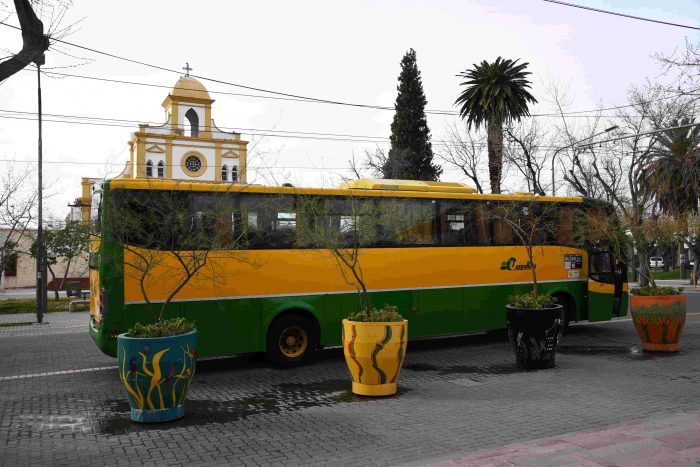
x=41 y=297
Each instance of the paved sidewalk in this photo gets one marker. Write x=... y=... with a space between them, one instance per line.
x=460 y=400
x=655 y=442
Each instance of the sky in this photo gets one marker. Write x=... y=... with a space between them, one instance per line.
x=333 y=50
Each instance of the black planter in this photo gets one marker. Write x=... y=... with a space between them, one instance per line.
x=534 y=335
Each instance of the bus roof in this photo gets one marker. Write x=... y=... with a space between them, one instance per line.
x=362 y=187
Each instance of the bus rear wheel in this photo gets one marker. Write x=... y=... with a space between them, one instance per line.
x=291 y=339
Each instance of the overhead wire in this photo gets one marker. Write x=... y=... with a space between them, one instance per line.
x=276 y=94
x=608 y=12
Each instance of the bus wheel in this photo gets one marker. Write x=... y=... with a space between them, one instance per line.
x=291 y=339
x=567 y=309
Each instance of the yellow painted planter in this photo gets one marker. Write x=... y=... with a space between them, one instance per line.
x=374 y=353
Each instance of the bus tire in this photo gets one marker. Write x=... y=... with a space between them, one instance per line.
x=291 y=339
x=567 y=309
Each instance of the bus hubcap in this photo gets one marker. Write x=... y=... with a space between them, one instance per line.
x=293 y=341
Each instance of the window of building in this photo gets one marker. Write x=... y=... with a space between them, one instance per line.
x=234 y=174
x=149 y=168
x=161 y=169
x=193 y=164
x=224 y=173
x=11 y=265
x=193 y=119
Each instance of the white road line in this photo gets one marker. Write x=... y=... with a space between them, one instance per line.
x=54 y=373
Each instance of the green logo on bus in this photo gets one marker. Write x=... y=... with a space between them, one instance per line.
x=510 y=265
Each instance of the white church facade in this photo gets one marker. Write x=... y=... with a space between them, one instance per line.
x=188 y=146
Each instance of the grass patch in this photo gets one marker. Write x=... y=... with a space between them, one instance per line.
x=28 y=305
x=7 y=325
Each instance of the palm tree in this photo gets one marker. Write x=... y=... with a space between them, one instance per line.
x=496 y=94
x=673 y=175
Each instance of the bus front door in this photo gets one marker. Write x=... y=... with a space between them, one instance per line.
x=604 y=286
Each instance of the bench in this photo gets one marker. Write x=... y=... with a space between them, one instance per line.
x=71 y=305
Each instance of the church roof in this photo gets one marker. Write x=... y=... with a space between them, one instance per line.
x=187 y=86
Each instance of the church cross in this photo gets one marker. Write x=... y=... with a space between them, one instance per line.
x=187 y=68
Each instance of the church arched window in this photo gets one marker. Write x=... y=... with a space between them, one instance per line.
x=161 y=169
x=224 y=172
x=149 y=168
x=193 y=119
x=234 y=174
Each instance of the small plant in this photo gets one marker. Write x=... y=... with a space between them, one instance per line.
x=162 y=328
x=387 y=313
x=530 y=300
x=649 y=290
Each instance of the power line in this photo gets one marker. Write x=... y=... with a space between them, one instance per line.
x=608 y=12
x=160 y=124
x=284 y=96
x=573 y=113
x=689 y=125
x=120 y=123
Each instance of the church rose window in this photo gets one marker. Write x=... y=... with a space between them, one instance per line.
x=193 y=164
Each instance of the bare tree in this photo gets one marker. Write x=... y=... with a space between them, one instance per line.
x=464 y=151
x=17 y=202
x=616 y=172
x=169 y=239
x=527 y=152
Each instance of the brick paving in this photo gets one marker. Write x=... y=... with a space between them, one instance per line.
x=458 y=398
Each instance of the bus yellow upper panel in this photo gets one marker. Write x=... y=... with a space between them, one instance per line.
x=432 y=189
x=407 y=185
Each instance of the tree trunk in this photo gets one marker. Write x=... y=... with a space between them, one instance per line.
x=495 y=146
x=56 y=286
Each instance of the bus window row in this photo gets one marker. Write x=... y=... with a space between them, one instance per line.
x=264 y=221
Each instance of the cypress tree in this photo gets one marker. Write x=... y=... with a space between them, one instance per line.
x=411 y=153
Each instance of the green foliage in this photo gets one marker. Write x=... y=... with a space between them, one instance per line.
x=530 y=300
x=28 y=305
x=411 y=153
x=387 y=313
x=674 y=170
x=495 y=93
x=650 y=291
x=164 y=328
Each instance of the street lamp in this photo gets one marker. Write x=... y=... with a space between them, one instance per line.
x=554 y=157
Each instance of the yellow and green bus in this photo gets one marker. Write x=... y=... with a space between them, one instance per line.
x=449 y=266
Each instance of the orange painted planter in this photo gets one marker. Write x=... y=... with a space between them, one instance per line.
x=659 y=321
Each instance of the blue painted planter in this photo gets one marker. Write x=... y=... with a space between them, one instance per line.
x=156 y=373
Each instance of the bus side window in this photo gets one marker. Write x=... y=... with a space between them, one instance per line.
x=565 y=231
x=502 y=231
x=452 y=220
x=406 y=222
x=268 y=221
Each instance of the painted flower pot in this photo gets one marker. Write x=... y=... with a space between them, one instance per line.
x=156 y=373
x=374 y=353
x=534 y=335
x=659 y=321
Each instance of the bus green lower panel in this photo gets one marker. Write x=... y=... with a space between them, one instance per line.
x=234 y=326
x=600 y=306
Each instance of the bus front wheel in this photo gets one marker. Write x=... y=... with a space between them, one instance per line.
x=291 y=339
